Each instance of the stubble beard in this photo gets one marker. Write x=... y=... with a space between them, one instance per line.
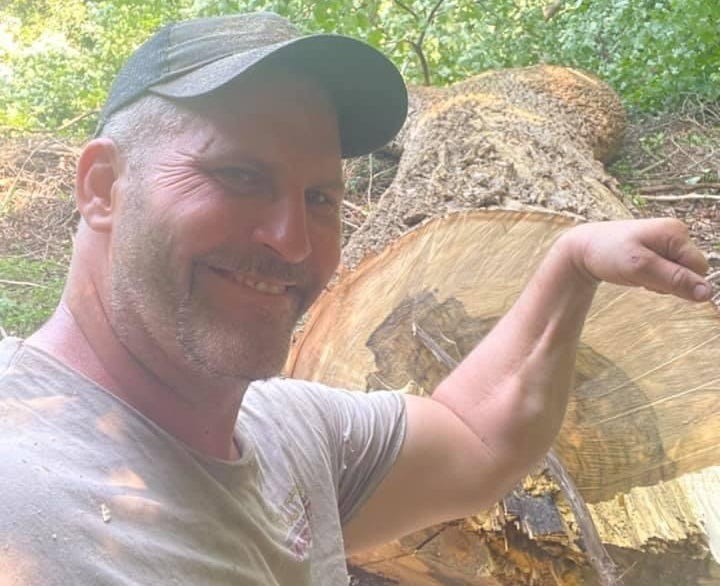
x=148 y=304
x=224 y=348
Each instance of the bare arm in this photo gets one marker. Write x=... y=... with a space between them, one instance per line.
x=498 y=412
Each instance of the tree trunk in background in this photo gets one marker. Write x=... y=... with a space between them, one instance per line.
x=530 y=138
x=641 y=438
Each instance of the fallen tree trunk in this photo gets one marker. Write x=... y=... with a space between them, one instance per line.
x=641 y=437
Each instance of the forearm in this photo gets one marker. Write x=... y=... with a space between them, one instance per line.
x=498 y=412
x=512 y=389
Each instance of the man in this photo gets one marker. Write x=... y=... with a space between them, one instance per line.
x=141 y=443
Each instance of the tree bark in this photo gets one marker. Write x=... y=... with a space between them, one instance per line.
x=641 y=438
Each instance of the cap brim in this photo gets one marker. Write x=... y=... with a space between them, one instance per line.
x=367 y=89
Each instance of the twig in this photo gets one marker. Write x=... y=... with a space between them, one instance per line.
x=428 y=22
x=22 y=283
x=597 y=554
x=696 y=164
x=407 y=9
x=11 y=189
x=655 y=164
x=69 y=123
x=678 y=147
x=370 y=180
x=348 y=223
x=417 y=46
x=685 y=197
x=650 y=189
x=435 y=349
x=354 y=207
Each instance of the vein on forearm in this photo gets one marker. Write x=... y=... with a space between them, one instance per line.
x=512 y=389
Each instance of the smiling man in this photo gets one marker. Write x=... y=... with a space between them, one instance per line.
x=143 y=437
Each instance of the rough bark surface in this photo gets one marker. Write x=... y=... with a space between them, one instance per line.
x=640 y=440
x=531 y=138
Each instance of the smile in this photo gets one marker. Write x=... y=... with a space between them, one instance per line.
x=253 y=282
x=263 y=286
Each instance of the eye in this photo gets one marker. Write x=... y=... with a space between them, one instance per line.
x=319 y=198
x=238 y=178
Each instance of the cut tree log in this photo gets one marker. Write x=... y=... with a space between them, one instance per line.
x=641 y=437
x=643 y=412
x=530 y=138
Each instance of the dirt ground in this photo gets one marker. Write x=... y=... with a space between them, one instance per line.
x=672 y=165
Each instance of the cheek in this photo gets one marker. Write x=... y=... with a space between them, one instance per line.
x=193 y=213
x=326 y=251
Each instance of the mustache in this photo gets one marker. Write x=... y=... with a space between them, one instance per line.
x=259 y=264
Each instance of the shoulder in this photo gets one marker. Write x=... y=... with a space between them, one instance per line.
x=10 y=351
x=280 y=398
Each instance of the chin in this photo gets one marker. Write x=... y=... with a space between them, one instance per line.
x=241 y=352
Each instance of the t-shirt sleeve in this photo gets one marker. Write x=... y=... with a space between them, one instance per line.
x=354 y=436
x=371 y=430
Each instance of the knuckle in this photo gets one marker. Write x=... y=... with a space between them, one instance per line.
x=678 y=279
x=674 y=225
x=677 y=246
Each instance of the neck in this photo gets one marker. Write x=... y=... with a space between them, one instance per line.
x=197 y=411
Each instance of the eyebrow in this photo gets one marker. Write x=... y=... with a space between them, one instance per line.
x=233 y=156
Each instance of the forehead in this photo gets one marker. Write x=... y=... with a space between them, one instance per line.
x=269 y=108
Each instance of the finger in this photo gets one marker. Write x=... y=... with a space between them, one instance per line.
x=682 y=251
x=666 y=276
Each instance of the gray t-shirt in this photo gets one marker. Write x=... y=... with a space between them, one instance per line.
x=93 y=493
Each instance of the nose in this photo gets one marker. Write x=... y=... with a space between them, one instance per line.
x=283 y=227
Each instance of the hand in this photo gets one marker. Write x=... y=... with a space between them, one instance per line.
x=656 y=254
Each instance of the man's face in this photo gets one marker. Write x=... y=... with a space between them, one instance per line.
x=231 y=231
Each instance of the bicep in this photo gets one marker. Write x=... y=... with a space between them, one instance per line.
x=443 y=471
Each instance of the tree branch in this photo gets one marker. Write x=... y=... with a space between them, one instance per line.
x=684 y=197
x=428 y=22
x=670 y=187
x=423 y=62
x=407 y=9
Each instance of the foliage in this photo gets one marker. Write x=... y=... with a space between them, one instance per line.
x=59 y=56
x=654 y=52
x=23 y=306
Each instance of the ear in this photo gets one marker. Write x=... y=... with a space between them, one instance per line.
x=98 y=170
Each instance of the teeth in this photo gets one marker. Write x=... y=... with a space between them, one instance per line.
x=264 y=287
x=247 y=281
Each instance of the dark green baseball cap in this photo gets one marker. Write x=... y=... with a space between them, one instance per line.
x=195 y=57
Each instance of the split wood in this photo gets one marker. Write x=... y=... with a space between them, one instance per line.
x=599 y=558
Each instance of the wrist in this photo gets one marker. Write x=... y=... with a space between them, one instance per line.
x=571 y=251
